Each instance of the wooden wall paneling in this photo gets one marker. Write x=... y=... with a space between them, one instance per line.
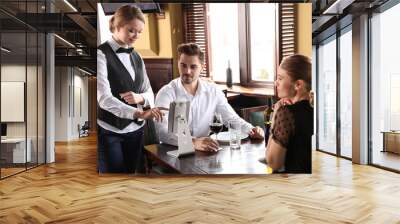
x=159 y=72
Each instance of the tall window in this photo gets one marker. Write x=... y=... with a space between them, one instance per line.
x=385 y=84
x=263 y=43
x=259 y=43
x=243 y=35
x=224 y=40
x=327 y=95
x=22 y=78
x=345 y=93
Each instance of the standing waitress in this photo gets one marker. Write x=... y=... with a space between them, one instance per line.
x=123 y=89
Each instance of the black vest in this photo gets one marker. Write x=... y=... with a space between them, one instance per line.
x=120 y=81
x=298 y=154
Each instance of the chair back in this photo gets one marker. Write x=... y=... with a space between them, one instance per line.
x=254 y=115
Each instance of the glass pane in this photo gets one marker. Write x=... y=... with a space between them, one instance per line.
x=41 y=99
x=385 y=83
x=262 y=32
x=346 y=94
x=31 y=97
x=13 y=85
x=327 y=96
x=224 y=40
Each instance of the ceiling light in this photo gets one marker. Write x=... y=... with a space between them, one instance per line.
x=84 y=71
x=5 y=50
x=337 y=7
x=65 y=41
x=70 y=5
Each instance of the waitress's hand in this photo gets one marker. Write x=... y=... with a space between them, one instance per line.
x=132 y=98
x=155 y=112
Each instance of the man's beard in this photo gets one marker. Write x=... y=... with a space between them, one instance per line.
x=187 y=79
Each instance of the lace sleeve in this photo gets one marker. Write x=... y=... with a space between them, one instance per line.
x=283 y=127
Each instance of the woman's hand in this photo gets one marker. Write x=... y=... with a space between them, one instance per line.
x=257 y=133
x=132 y=98
x=205 y=144
x=155 y=112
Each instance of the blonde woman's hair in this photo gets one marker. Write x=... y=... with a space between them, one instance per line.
x=123 y=15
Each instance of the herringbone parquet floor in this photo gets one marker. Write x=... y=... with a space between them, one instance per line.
x=71 y=191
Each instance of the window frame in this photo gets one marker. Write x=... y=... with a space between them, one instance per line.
x=245 y=42
x=333 y=37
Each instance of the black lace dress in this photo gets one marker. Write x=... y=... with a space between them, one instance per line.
x=293 y=129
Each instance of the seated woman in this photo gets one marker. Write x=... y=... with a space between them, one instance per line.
x=289 y=145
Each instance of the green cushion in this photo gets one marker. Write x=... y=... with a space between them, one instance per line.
x=257 y=118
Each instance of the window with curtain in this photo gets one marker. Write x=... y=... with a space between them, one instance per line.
x=243 y=35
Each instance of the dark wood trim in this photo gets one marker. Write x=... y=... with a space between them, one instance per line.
x=338 y=117
x=209 y=44
x=369 y=100
x=278 y=34
x=247 y=43
x=207 y=53
x=243 y=40
x=278 y=31
x=159 y=71
x=316 y=96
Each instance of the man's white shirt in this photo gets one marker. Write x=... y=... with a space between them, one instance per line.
x=110 y=103
x=207 y=100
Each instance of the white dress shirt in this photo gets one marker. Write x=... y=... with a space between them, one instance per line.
x=110 y=103
x=207 y=100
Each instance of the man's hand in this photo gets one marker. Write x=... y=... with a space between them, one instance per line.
x=256 y=133
x=155 y=112
x=282 y=102
x=132 y=98
x=205 y=144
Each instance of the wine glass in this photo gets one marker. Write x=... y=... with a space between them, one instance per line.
x=216 y=124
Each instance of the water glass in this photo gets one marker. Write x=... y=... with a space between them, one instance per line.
x=235 y=130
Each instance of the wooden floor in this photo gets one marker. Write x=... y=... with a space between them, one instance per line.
x=386 y=159
x=71 y=191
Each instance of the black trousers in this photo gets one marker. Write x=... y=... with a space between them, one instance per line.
x=119 y=153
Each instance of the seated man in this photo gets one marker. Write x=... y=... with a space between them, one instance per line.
x=204 y=97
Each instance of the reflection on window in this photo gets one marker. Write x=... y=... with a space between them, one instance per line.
x=394 y=101
x=346 y=94
x=224 y=40
x=327 y=97
x=385 y=82
x=262 y=41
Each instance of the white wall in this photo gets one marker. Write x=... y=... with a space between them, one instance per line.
x=71 y=94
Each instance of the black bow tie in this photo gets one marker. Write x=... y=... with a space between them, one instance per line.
x=125 y=50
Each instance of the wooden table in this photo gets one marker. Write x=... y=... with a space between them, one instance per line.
x=225 y=161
